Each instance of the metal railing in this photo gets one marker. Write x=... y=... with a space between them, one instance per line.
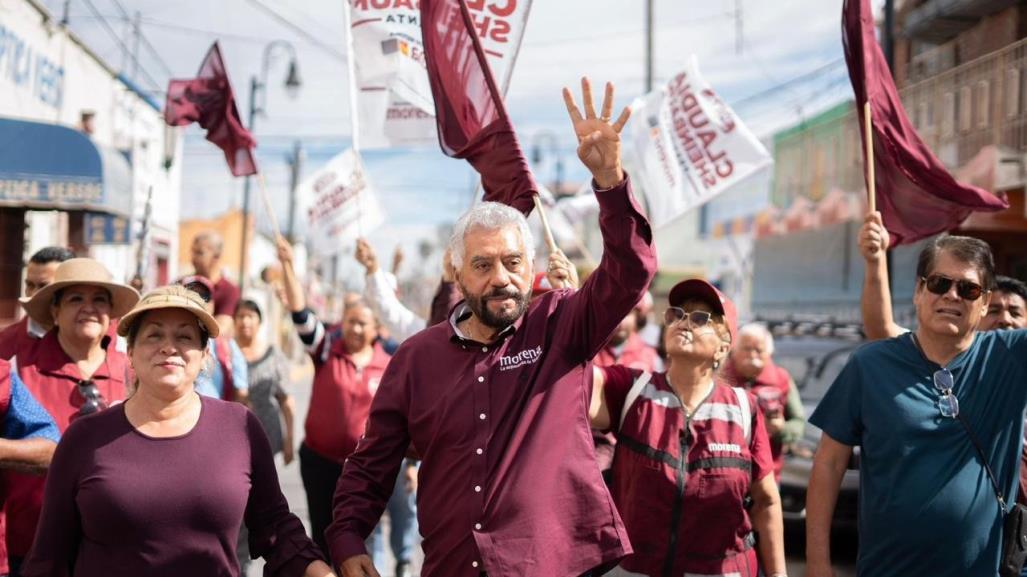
x=956 y=112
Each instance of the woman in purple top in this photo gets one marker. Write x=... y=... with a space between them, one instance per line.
x=160 y=484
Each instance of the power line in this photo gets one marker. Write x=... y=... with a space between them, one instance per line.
x=832 y=65
x=275 y=15
x=117 y=39
x=146 y=42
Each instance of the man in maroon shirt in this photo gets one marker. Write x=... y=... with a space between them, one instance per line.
x=38 y=274
x=206 y=256
x=495 y=400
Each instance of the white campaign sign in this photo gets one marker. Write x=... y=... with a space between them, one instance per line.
x=689 y=146
x=342 y=204
x=395 y=101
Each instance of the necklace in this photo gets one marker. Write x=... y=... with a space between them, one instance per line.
x=689 y=411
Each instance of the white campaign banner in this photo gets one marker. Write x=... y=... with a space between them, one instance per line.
x=342 y=204
x=394 y=97
x=689 y=146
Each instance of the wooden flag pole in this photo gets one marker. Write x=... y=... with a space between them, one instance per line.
x=550 y=241
x=267 y=206
x=868 y=132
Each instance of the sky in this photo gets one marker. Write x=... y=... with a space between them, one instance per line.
x=565 y=39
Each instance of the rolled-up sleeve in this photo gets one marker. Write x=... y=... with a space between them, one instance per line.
x=369 y=474
x=275 y=534
x=625 y=271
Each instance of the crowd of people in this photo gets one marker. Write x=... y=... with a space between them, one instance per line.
x=532 y=424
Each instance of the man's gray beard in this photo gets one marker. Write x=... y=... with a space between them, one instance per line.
x=478 y=306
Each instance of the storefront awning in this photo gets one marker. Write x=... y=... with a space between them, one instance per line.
x=47 y=166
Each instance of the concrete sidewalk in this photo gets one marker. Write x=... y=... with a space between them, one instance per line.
x=292 y=485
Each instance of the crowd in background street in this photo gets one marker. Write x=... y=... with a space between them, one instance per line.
x=531 y=424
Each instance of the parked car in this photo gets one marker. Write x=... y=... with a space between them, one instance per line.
x=814 y=362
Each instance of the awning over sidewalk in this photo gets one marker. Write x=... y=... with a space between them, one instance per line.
x=47 y=166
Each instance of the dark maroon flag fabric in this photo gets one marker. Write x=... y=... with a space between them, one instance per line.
x=469 y=108
x=209 y=100
x=916 y=195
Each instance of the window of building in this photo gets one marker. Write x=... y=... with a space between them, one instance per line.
x=965 y=108
x=1012 y=92
x=983 y=104
x=948 y=114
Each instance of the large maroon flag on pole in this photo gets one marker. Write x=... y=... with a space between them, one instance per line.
x=916 y=195
x=209 y=100
x=469 y=110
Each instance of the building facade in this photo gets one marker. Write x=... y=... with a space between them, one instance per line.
x=82 y=149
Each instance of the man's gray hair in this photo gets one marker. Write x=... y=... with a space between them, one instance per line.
x=489 y=216
x=759 y=331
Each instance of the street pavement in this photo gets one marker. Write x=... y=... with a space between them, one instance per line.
x=292 y=486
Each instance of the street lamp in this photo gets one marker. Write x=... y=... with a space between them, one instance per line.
x=536 y=155
x=258 y=87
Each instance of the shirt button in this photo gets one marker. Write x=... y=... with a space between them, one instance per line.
x=477 y=488
x=477 y=526
x=474 y=564
x=481 y=379
x=482 y=416
x=479 y=451
x=484 y=349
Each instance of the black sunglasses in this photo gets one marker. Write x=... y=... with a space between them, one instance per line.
x=939 y=285
x=948 y=404
x=677 y=314
x=93 y=400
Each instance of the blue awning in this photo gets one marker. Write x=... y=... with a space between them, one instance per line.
x=47 y=166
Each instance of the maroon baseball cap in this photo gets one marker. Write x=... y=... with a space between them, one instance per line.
x=696 y=288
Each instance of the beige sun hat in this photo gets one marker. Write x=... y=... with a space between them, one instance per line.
x=170 y=297
x=79 y=271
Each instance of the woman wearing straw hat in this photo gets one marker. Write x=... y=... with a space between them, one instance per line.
x=160 y=484
x=75 y=369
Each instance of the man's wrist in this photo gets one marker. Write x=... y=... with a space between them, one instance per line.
x=608 y=178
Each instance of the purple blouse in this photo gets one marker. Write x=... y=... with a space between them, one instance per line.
x=118 y=502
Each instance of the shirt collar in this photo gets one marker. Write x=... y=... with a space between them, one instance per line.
x=53 y=360
x=462 y=312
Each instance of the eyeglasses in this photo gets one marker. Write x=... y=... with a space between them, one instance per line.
x=697 y=319
x=939 y=285
x=948 y=404
x=93 y=400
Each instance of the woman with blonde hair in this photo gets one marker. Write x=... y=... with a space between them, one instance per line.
x=691 y=452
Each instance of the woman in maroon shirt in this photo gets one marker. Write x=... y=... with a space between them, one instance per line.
x=160 y=484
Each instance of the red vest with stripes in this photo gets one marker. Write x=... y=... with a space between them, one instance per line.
x=681 y=483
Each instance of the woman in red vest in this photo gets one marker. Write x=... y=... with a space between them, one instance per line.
x=691 y=452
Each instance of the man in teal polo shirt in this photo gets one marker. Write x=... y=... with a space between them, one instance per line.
x=926 y=504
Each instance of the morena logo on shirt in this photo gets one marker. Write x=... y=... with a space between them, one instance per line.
x=725 y=448
x=525 y=357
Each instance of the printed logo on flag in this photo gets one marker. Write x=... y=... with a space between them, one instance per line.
x=691 y=147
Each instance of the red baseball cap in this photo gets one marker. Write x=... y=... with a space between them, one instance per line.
x=696 y=288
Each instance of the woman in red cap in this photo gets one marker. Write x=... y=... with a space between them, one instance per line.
x=691 y=453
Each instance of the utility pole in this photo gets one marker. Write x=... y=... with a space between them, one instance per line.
x=888 y=34
x=136 y=34
x=295 y=169
x=648 y=46
x=739 y=23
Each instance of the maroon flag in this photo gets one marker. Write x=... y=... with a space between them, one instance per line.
x=469 y=110
x=916 y=195
x=209 y=100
